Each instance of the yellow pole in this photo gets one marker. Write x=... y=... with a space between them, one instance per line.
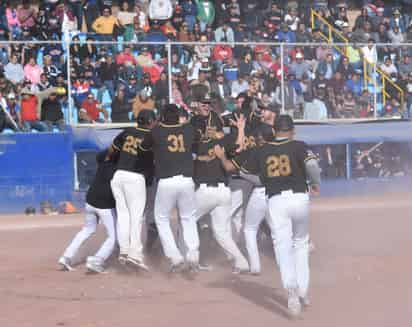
x=312 y=14
x=365 y=74
x=383 y=92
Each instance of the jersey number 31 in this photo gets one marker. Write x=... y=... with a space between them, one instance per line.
x=176 y=143
x=278 y=166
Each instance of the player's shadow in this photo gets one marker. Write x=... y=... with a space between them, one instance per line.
x=271 y=299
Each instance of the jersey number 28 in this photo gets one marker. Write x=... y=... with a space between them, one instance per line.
x=176 y=143
x=278 y=166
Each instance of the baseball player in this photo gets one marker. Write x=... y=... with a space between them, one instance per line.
x=134 y=170
x=213 y=194
x=172 y=146
x=284 y=167
x=99 y=206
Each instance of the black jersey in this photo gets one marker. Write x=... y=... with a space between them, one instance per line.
x=210 y=172
x=172 y=147
x=100 y=193
x=201 y=123
x=280 y=165
x=130 y=158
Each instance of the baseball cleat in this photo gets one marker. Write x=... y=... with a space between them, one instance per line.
x=294 y=305
x=192 y=267
x=137 y=263
x=240 y=271
x=65 y=264
x=94 y=267
x=122 y=259
x=177 y=267
x=254 y=272
x=205 y=267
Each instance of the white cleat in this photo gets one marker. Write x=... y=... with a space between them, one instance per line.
x=294 y=305
x=122 y=259
x=65 y=264
x=137 y=264
x=304 y=301
x=176 y=268
x=94 y=265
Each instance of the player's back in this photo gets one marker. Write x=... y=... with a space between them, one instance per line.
x=130 y=158
x=282 y=166
x=172 y=147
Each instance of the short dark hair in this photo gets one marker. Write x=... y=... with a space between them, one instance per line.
x=170 y=114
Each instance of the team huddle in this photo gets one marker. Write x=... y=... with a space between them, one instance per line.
x=240 y=176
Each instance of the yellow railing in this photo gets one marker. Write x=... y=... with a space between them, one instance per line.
x=333 y=34
x=369 y=70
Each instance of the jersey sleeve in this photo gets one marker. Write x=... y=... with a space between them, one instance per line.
x=247 y=161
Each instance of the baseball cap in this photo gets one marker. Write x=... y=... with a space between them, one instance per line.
x=145 y=117
x=206 y=98
x=284 y=123
x=299 y=55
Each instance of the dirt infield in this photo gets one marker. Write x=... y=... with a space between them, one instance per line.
x=360 y=270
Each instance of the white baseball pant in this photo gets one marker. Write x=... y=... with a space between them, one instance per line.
x=290 y=216
x=256 y=211
x=217 y=202
x=93 y=215
x=171 y=192
x=240 y=189
x=129 y=190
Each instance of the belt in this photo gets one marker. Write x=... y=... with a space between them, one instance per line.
x=211 y=184
x=287 y=192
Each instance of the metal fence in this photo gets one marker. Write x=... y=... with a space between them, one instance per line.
x=310 y=81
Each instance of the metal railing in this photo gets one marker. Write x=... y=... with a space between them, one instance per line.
x=280 y=49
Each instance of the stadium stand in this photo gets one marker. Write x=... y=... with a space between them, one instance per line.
x=351 y=74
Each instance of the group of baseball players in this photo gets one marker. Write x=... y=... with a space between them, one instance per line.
x=239 y=170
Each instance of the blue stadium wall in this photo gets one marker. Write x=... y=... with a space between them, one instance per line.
x=33 y=168
x=41 y=166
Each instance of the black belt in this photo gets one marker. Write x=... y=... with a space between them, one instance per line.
x=211 y=184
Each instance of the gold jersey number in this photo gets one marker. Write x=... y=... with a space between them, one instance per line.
x=250 y=142
x=130 y=145
x=278 y=166
x=176 y=143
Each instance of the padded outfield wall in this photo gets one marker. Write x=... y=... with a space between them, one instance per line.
x=55 y=166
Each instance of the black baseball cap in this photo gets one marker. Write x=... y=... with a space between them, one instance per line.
x=170 y=114
x=206 y=98
x=145 y=117
x=284 y=123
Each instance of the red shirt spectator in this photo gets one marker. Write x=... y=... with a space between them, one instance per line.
x=126 y=56
x=29 y=108
x=222 y=52
x=92 y=109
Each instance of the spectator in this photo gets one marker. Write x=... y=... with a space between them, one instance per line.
x=29 y=115
x=320 y=84
x=51 y=112
x=161 y=91
x=205 y=13
x=370 y=55
x=107 y=72
x=348 y=107
x=299 y=66
x=43 y=85
x=286 y=35
x=104 y=25
x=406 y=65
x=13 y=22
x=274 y=16
x=292 y=19
x=190 y=12
x=239 y=86
x=76 y=7
x=120 y=108
x=354 y=84
x=345 y=68
x=388 y=67
x=379 y=19
x=219 y=88
x=26 y=15
x=362 y=18
x=177 y=96
x=50 y=70
x=90 y=111
x=224 y=33
x=397 y=20
x=142 y=102
x=13 y=109
x=140 y=18
x=327 y=67
x=395 y=35
x=290 y=96
x=160 y=10
x=184 y=34
x=125 y=16
x=13 y=71
x=6 y=86
x=203 y=51
x=246 y=64
x=314 y=109
x=221 y=53
x=126 y=57
x=32 y=71
x=91 y=12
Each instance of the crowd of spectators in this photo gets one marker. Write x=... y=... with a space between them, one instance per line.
x=112 y=82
